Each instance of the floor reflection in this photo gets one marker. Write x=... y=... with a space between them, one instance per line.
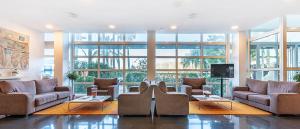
x=116 y=122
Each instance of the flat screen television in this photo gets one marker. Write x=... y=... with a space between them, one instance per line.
x=222 y=71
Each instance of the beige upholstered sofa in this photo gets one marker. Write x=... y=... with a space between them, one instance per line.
x=170 y=103
x=26 y=97
x=105 y=87
x=276 y=97
x=192 y=86
x=137 y=103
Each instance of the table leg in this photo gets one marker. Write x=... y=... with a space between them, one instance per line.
x=231 y=105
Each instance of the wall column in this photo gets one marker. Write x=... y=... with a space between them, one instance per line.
x=151 y=55
x=283 y=50
x=61 y=56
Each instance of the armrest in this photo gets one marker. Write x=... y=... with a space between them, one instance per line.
x=16 y=103
x=285 y=103
x=62 y=88
x=186 y=89
x=129 y=97
x=240 y=88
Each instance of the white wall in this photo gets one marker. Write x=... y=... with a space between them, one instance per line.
x=36 y=50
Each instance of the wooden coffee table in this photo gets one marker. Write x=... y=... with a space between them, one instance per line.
x=89 y=100
x=212 y=99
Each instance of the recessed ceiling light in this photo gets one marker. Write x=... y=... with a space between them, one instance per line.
x=49 y=26
x=234 y=27
x=173 y=27
x=111 y=26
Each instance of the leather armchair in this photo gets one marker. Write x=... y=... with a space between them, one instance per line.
x=105 y=87
x=192 y=86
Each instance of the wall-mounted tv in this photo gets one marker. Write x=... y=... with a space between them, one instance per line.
x=222 y=71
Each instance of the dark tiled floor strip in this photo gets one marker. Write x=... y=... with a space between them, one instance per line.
x=116 y=122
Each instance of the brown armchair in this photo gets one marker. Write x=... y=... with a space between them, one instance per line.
x=192 y=86
x=105 y=87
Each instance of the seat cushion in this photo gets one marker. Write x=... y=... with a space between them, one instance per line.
x=45 y=98
x=18 y=86
x=257 y=86
x=262 y=99
x=196 y=83
x=243 y=94
x=197 y=92
x=283 y=87
x=45 y=85
x=61 y=95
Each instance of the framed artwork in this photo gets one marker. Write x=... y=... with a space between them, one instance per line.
x=14 y=50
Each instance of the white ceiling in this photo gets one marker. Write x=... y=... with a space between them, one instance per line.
x=142 y=15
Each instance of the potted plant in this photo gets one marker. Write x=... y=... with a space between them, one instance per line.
x=72 y=76
x=297 y=77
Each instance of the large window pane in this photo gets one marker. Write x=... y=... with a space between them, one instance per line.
x=111 y=63
x=265 y=75
x=213 y=37
x=83 y=37
x=85 y=63
x=111 y=50
x=111 y=74
x=139 y=37
x=136 y=76
x=136 y=50
x=188 y=50
x=136 y=63
x=165 y=37
x=189 y=63
x=208 y=61
x=165 y=50
x=189 y=38
x=86 y=50
x=215 y=50
x=165 y=63
x=265 y=27
x=291 y=74
x=293 y=49
x=167 y=76
x=189 y=74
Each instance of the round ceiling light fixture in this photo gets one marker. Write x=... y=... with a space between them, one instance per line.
x=49 y=26
x=173 y=27
x=235 y=27
x=111 y=26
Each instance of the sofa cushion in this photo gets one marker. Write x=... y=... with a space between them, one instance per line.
x=283 y=87
x=162 y=86
x=243 y=94
x=18 y=86
x=196 y=83
x=262 y=99
x=105 y=83
x=45 y=85
x=197 y=92
x=41 y=99
x=143 y=87
x=63 y=94
x=257 y=86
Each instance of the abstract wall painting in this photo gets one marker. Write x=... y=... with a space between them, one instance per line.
x=14 y=50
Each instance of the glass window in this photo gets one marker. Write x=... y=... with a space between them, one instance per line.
x=291 y=74
x=48 y=37
x=111 y=63
x=83 y=37
x=293 y=20
x=165 y=37
x=213 y=37
x=86 y=63
x=136 y=76
x=189 y=38
x=165 y=63
x=167 y=76
x=86 y=50
x=265 y=75
x=188 y=50
x=94 y=37
x=136 y=63
x=265 y=27
x=215 y=50
x=111 y=74
x=136 y=50
x=165 y=50
x=111 y=50
x=189 y=63
x=208 y=61
x=293 y=49
x=138 y=37
x=49 y=52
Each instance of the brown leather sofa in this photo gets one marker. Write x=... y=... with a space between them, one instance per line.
x=276 y=97
x=192 y=86
x=136 y=103
x=26 y=97
x=105 y=87
x=170 y=103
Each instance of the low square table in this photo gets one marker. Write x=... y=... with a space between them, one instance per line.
x=89 y=100
x=211 y=98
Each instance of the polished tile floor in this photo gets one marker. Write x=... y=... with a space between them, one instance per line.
x=116 y=122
